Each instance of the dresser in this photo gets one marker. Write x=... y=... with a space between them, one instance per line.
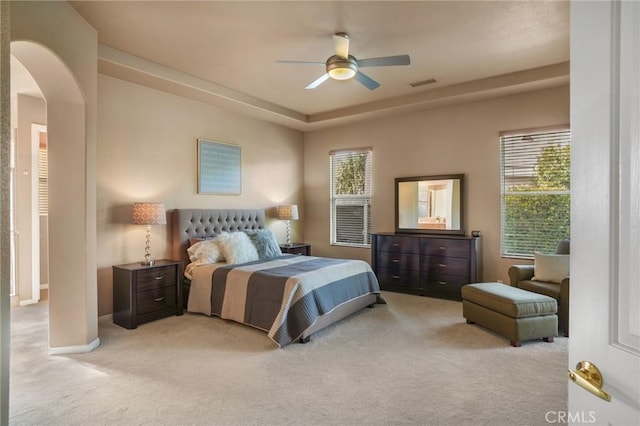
x=146 y=293
x=426 y=264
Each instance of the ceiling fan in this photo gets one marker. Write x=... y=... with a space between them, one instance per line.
x=343 y=66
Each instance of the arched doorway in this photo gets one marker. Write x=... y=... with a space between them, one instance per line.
x=72 y=289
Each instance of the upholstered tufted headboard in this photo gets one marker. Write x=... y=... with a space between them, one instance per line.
x=198 y=223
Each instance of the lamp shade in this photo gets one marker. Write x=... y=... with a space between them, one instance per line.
x=288 y=212
x=148 y=214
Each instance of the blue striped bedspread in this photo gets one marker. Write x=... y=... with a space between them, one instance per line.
x=285 y=295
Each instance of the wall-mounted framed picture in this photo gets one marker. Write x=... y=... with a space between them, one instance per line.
x=219 y=168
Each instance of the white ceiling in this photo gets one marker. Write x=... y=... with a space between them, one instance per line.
x=226 y=52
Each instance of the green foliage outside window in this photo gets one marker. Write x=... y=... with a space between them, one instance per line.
x=537 y=213
x=351 y=175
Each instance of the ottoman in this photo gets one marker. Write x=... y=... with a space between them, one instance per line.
x=515 y=313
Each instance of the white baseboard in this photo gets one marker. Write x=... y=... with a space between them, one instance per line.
x=44 y=286
x=27 y=302
x=81 y=349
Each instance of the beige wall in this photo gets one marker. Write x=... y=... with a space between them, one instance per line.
x=147 y=152
x=454 y=139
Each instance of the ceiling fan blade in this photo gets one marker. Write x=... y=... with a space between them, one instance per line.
x=318 y=81
x=367 y=81
x=385 y=61
x=301 y=62
x=341 y=44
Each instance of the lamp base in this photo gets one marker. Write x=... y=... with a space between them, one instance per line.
x=148 y=262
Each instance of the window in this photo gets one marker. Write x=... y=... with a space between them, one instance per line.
x=350 y=174
x=43 y=180
x=535 y=190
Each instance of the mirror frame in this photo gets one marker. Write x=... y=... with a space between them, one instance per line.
x=460 y=231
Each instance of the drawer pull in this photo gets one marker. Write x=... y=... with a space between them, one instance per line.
x=158 y=278
x=442 y=282
x=395 y=277
x=443 y=248
x=159 y=299
x=442 y=265
x=395 y=260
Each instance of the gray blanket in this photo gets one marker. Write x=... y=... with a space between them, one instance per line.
x=286 y=295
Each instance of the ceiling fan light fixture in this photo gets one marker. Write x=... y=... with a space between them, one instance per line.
x=340 y=68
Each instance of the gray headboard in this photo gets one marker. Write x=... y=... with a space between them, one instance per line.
x=194 y=223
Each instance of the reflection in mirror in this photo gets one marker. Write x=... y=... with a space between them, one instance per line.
x=429 y=204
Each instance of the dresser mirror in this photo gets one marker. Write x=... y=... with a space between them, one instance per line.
x=430 y=204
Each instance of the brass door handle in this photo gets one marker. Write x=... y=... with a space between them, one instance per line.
x=588 y=377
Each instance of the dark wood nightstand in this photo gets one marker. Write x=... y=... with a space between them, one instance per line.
x=296 y=248
x=146 y=293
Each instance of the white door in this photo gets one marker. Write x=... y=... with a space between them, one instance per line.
x=605 y=209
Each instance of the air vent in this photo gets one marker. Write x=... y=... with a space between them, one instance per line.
x=423 y=82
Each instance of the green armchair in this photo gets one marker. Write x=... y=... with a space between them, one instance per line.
x=520 y=276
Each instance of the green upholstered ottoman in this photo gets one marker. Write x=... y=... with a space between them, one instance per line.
x=515 y=313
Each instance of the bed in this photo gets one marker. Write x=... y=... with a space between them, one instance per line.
x=290 y=297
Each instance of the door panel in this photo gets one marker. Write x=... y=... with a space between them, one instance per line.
x=605 y=218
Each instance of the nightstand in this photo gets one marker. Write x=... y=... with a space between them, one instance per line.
x=146 y=293
x=296 y=248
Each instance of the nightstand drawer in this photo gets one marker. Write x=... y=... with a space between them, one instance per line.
x=156 y=299
x=153 y=278
x=300 y=249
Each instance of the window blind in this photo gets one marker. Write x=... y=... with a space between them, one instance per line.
x=350 y=175
x=43 y=183
x=535 y=191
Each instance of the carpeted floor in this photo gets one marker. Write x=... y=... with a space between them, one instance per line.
x=412 y=361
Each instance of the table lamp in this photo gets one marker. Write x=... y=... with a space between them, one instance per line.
x=288 y=212
x=148 y=214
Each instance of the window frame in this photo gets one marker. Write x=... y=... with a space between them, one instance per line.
x=562 y=139
x=362 y=199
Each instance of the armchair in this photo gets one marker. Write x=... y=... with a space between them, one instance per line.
x=521 y=276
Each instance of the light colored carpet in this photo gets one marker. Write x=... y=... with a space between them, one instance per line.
x=412 y=361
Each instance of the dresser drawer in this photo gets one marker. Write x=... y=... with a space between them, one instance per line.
x=397 y=244
x=398 y=261
x=398 y=278
x=156 y=299
x=446 y=265
x=153 y=278
x=446 y=285
x=442 y=247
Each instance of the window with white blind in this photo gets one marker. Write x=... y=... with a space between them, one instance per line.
x=350 y=174
x=43 y=181
x=535 y=169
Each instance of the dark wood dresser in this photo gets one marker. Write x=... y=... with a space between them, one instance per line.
x=146 y=293
x=425 y=264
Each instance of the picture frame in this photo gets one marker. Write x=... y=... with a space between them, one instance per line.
x=219 y=168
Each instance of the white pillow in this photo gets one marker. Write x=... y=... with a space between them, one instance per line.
x=236 y=247
x=551 y=267
x=206 y=251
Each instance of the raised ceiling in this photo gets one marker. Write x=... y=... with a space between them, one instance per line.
x=226 y=52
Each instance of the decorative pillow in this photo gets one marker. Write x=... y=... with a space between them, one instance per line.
x=551 y=267
x=194 y=240
x=205 y=251
x=265 y=243
x=236 y=247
